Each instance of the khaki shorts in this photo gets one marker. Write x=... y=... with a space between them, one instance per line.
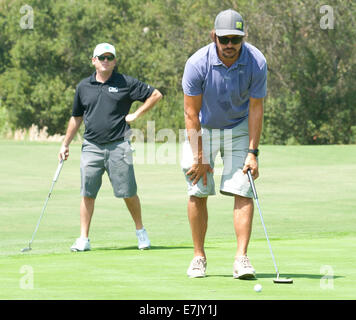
x=116 y=159
x=233 y=147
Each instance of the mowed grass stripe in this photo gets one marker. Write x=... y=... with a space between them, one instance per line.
x=307 y=199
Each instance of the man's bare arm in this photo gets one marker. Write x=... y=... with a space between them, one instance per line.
x=255 y=120
x=73 y=126
x=147 y=105
x=200 y=167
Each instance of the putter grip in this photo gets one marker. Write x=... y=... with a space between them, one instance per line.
x=252 y=183
x=60 y=165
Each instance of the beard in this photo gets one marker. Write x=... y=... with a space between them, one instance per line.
x=229 y=53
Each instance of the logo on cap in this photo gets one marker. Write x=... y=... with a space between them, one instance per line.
x=239 y=25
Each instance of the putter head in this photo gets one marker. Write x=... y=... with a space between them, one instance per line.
x=26 y=249
x=282 y=280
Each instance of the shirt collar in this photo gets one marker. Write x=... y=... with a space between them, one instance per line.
x=93 y=77
x=215 y=60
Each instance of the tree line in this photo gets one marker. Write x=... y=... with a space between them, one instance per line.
x=46 y=46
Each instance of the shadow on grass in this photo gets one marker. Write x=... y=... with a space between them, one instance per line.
x=273 y=276
x=294 y=276
x=219 y=275
x=134 y=248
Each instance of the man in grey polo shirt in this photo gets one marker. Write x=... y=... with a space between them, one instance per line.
x=224 y=84
x=103 y=100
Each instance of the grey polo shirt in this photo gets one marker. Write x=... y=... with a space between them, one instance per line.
x=104 y=106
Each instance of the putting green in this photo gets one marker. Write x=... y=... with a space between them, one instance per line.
x=307 y=200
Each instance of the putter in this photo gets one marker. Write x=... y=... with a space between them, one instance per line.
x=59 y=168
x=277 y=279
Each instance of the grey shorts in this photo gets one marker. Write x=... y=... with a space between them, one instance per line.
x=233 y=146
x=116 y=159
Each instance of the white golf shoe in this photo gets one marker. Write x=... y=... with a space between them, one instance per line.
x=143 y=240
x=197 y=267
x=243 y=269
x=81 y=245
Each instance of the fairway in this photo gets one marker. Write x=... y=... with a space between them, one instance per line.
x=307 y=196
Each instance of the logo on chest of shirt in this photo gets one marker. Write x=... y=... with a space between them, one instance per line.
x=113 y=89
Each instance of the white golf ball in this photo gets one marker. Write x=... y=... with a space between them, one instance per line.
x=257 y=288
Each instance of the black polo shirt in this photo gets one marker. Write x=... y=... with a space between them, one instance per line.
x=104 y=106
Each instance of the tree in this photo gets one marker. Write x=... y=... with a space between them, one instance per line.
x=311 y=69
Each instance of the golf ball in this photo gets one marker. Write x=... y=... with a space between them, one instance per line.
x=257 y=288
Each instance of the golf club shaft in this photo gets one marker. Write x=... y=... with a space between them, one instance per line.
x=58 y=171
x=263 y=223
x=269 y=243
x=59 y=168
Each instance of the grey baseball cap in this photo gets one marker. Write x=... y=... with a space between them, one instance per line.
x=229 y=22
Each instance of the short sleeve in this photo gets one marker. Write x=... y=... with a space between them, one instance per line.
x=192 y=81
x=258 y=88
x=139 y=90
x=78 y=108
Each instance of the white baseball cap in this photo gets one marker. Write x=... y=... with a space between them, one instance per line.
x=103 y=48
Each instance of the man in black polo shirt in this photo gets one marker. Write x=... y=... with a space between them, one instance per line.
x=103 y=100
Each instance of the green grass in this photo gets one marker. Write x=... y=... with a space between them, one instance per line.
x=307 y=195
